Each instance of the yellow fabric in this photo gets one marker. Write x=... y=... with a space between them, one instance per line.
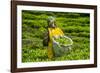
x=53 y=32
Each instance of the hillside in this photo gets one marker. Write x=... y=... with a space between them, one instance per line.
x=74 y=25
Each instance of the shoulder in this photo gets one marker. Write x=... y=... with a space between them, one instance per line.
x=58 y=28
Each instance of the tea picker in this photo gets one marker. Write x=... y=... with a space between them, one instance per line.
x=58 y=43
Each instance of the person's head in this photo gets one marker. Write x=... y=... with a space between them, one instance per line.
x=51 y=22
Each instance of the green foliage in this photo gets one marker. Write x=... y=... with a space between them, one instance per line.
x=74 y=25
x=63 y=41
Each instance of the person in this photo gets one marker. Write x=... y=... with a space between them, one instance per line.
x=53 y=32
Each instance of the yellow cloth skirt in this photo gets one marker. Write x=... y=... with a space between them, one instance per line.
x=53 y=32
